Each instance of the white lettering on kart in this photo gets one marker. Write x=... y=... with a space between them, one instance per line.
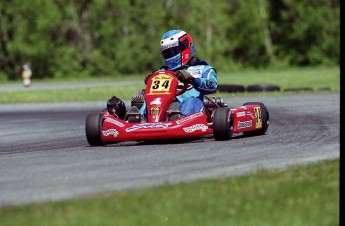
x=110 y=132
x=240 y=114
x=115 y=122
x=189 y=118
x=244 y=124
x=195 y=127
x=250 y=114
x=148 y=126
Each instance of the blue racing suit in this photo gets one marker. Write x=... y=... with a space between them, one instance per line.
x=205 y=82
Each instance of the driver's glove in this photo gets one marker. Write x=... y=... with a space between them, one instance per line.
x=184 y=76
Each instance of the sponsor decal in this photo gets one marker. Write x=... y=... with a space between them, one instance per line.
x=148 y=126
x=156 y=101
x=154 y=110
x=196 y=74
x=196 y=71
x=115 y=122
x=240 y=114
x=169 y=46
x=250 y=114
x=189 y=117
x=109 y=132
x=158 y=92
x=245 y=124
x=161 y=77
x=258 y=119
x=195 y=127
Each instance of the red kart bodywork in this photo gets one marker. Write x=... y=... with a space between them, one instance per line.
x=114 y=130
x=246 y=118
x=160 y=92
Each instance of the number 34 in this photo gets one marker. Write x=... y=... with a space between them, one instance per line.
x=161 y=85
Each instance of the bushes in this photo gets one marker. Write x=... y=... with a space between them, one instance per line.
x=95 y=38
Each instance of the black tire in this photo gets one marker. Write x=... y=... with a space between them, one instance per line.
x=93 y=129
x=299 y=89
x=262 y=88
x=324 y=89
x=230 y=88
x=222 y=124
x=264 y=117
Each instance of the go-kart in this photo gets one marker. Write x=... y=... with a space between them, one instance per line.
x=164 y=120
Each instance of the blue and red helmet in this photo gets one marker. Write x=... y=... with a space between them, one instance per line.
x=177 y=48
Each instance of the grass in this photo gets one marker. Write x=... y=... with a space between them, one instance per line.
x=288 y=78
x=68 y=95
x=298 y=196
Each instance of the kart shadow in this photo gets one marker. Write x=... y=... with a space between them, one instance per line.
x=173 y=141
x=160 y=142
x=241 y=136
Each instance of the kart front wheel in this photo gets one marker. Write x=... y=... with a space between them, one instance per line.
x=93 y=129
x=222 y=124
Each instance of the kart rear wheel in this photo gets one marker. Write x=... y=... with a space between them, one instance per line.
x=93 y=129
x=264 y=117
x=222 y=124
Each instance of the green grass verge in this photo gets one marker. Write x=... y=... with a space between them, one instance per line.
x=69 y=95
x=287 y=78
x=298 y=196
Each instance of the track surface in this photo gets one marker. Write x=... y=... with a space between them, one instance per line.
x=44 y=154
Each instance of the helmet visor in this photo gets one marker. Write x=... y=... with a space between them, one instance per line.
x=171 y=52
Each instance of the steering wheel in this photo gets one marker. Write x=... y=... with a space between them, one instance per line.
x=182 y=88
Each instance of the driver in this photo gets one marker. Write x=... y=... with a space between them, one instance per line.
x=177 y=50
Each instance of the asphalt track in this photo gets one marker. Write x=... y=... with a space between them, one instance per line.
x=44 y=154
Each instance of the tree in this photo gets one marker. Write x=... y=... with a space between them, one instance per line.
x=76 y=38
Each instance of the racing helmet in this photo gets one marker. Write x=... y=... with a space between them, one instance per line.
x=177 y=48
